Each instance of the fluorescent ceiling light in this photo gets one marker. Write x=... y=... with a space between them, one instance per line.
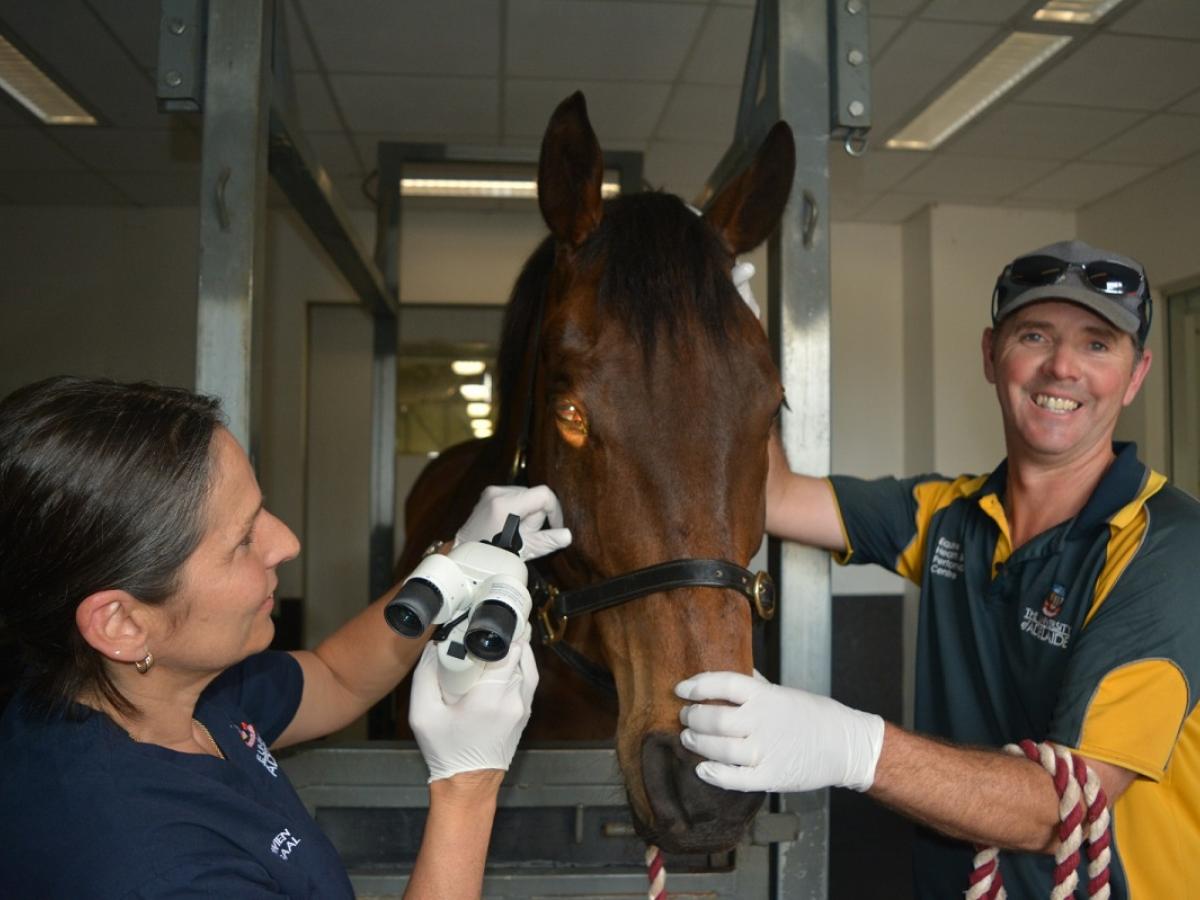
x=508 y=188
x=33 y=89
x=468 y=366
x=989 y=80
x=479 y=409
x=481 y=427
x=1074 y=12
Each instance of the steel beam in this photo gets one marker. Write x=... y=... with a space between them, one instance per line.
x=233 y=189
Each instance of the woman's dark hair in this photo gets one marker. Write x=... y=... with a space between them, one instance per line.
x=102 y=486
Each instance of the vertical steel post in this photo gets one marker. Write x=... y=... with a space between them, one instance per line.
x=233 y=182
x=798 y=305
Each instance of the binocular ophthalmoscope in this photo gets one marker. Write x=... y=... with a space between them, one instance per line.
x=477 y=595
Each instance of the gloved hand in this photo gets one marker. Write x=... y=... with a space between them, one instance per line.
x=535 y=506
x=776 y=738
x=481 y=730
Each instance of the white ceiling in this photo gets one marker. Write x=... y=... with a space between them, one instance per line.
x=661 y=76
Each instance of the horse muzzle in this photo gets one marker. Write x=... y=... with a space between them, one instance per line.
x=688 y=815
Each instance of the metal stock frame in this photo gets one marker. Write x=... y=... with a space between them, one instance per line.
x=240 y=80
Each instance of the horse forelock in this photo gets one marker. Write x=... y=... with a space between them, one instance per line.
x=664 y=271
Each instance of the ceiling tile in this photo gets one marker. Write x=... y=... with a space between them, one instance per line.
x=299 y=49
x=1039 y=132
x=1117 y=71
x=314 y=104
x=918 y=62
x=681 y=167
x=895 y=7
x=619 y=111
x=126 y=150
x=416 y=37
x=60 y=189
x=875 y=171
x=29 y=149
x=975 y=178
x=845 y=206
x=701 y=113
x=1081 y=182
x=973 y=10
x=719 y=56
x=612 y=41
x=135 y=24
x=451 y=108
x=882 y=30
x=337 y=154
x=160 y=189
x=89 y=60
x=1164 y=18
x=350 y=191
x=1158 y=140
x=1189 y=105
x=895 y=208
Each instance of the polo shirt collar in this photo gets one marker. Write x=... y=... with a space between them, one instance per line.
x=1119 y=485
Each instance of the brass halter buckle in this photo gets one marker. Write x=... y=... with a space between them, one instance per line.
x=763 y=596
x=552 y=631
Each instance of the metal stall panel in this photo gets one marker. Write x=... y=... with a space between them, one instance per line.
x=562 y=828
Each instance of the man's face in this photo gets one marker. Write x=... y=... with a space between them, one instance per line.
x=1062 y=374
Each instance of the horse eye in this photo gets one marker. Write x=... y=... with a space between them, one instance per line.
x=570 y=418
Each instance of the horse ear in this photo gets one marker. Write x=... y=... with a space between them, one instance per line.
x=570 y=172
x=749 y=206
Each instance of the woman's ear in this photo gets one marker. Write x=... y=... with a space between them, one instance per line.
x=108 y=622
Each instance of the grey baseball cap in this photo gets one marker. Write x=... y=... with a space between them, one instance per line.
x=1109 y=284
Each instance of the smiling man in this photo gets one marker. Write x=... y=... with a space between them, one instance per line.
x=1058 y=603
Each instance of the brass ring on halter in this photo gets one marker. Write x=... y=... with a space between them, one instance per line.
x=552 y=631
x=763 y=596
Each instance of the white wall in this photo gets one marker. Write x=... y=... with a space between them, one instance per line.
x=1156 y=221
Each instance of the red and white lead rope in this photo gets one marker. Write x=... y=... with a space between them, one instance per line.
x=656 y=872
x=1081 y=802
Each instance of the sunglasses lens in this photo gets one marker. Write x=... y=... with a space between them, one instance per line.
x=1037 y=270
x=1113 y=278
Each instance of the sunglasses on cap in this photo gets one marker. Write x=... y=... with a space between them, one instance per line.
x=1117 y=281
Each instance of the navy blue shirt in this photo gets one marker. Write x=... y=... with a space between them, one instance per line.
x=85 y=811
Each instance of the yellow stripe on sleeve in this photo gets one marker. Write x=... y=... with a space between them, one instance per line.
x=1135 y=715
x=931 y=496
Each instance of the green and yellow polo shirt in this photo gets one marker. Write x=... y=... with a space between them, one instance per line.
x=1088 y=635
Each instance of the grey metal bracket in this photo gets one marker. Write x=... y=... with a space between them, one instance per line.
x=774 y=828
x=849 y=74
x=181 y=45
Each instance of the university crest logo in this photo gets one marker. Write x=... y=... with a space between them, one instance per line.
x=1053 y=603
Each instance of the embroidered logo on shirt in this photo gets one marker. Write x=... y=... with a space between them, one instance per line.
x=284 y=843
x=1053 y=603
x=1046 y=629
x=948 y=560
x=252 y=739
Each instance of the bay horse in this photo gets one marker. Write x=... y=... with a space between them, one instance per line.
x=634 y=382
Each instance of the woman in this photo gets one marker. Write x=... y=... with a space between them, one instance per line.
x=137 y=574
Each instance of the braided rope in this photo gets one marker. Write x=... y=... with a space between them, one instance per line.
x=657 y=873
x=1081 y=801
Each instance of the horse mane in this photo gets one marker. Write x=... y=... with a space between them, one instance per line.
x=662 y=266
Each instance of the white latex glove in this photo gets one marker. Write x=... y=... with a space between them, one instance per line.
x=535 y=506
x=776 y=738
x=480 y=730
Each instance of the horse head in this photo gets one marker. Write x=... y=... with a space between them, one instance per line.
x=651 y=395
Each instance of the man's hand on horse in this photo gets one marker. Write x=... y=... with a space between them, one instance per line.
x=536 y=507
x=774 y=738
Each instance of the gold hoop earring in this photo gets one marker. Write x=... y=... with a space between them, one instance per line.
x=143 y=665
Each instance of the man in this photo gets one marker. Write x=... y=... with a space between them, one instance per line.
x=1058 y=603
